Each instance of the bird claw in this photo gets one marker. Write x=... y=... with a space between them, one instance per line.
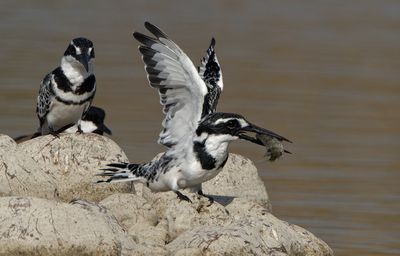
x=210 y=198
x=55 y=134
x=182 y=197
x=79 y=130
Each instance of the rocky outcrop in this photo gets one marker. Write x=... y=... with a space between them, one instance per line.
x=21 y=175
x=39 y=177
x=242 y=227
x=61 y=168
x=33 y=226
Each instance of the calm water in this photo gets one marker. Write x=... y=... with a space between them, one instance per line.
x=325 y=74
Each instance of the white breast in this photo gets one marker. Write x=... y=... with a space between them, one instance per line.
x=61 y=114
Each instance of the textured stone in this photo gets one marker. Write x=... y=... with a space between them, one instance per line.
x=239 y=178
x=264 y=235
x=21 y=175
x=72 y=160
x=32 y=226
x=122 y=223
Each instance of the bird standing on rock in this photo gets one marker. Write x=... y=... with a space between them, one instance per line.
x=66 y=93
x=197 y=138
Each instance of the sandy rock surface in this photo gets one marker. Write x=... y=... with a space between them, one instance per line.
x=73 y=160
x=21 y=175
x=33 y=226
x=239 y=172
x=39 y=177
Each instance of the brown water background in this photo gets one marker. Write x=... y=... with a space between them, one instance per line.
x=325 y=74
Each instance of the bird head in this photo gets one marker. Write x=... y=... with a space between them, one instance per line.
x=230 y=127
x=94 y=120
x=80 y=54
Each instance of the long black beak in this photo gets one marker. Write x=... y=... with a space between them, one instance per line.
x=84 y=59
x=254 y=130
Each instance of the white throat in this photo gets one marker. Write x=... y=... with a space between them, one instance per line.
x=216 y=144
x=74 y=71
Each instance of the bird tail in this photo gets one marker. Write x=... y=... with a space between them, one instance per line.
x=120 y=172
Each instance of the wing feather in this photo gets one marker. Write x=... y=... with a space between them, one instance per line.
x=211 y=73
x=44 y=98
x=180 y=86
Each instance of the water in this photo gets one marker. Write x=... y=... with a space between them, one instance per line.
x=322 y=73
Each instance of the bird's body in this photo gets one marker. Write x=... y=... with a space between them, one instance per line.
x=197 y=138
x=66 y=93
x=92 y=122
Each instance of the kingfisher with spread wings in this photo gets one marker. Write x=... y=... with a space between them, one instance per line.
x=196 y=137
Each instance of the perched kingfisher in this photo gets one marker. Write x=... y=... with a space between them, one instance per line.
x=66 y=93
x=92 y=122
x=197 y=138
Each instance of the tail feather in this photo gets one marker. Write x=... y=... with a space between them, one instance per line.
x=118 y=165
x=119 y=172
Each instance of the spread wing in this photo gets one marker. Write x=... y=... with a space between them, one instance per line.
x=181 y=88
x=211 y=73
x=44 y=98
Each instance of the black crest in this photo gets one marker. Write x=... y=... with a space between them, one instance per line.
x=209 y=124
x=83 y=43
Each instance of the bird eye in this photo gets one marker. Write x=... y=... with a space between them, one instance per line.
x=231 y=124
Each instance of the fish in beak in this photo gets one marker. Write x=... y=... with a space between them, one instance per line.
x=272 y=141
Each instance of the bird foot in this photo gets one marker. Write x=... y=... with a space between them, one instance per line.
x=210 y=198
x=55 y=134
x=182 y=197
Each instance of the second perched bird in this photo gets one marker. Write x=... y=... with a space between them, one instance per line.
x=66 y=93
x=197 y=138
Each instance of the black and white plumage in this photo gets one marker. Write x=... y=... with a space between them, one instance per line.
x=211 y=73
x=197 y=139
x=66 y=93
x=92 y=122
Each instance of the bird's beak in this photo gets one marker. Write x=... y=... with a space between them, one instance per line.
x=250 y=132
x=105 y=129
x=84 y=60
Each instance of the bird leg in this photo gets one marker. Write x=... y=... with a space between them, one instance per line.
x=53 y=132
x=210 y=199
x=79 y=131
x=182 y=197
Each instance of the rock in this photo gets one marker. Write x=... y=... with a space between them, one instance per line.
x=123 y=223
x=242 y=227
x=32 y=226
x=131 y=210
x=265 y=235
x=72 y=160
x=21 y=175
x=139 y=217
x=239 y=178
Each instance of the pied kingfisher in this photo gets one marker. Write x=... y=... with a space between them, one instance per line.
x=66 y=93
x=92 y=122
x=197 y=138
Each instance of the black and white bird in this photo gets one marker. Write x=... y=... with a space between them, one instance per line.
x=197 y=138
x=92 y=122
x=66 y=93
